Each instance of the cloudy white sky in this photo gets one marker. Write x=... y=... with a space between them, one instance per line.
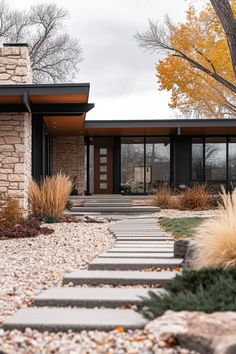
x=122 y=76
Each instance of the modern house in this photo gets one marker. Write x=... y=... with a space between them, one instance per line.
x=43 y=130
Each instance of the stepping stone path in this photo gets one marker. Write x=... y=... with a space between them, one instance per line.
x=141 y=250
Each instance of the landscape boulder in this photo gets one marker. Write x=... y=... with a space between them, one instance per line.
x=183 y=248
x=204 y=333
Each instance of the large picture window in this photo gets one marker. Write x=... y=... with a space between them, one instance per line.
x=145 y=164
x=132 y=165
x=157 y=163
x=232 y=162
x=214 y=161
x=197 y=159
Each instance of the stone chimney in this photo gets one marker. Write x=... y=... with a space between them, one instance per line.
x=15 y=128
x=15 y=65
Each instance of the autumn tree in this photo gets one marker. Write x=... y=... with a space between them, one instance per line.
x=54 y=54
x=197 y=65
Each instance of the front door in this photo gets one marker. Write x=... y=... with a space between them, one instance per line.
x=103 y=166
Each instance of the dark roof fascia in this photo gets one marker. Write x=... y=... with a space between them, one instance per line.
x=44 y=89
x=161 y=123
x=48 y=109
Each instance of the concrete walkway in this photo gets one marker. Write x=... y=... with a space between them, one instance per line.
x=141 y=250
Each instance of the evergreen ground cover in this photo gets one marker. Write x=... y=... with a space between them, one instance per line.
x=206 y=290
x=181 y=227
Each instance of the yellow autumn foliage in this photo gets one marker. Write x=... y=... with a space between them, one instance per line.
x=202 y=38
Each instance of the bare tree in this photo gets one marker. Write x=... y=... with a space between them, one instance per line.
x=54 y=54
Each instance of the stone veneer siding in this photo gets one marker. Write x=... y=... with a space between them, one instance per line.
x=15 y=129
x=15 y=156
x=68 y=157
x=15 y=66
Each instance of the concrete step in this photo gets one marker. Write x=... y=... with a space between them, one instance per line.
x=143 y=233
x=142 y=239
x=136 y=255
x=64 y=319
x=131 y=227
x=133 y=264
x=91 y=297
x=110 y=210
x=141 y=250
x=144 y=244
x=97 y=278
x=107 y=205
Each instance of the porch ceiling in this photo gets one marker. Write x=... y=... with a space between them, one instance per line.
x=65 y=125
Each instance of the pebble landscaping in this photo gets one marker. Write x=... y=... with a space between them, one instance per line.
x=29 y=266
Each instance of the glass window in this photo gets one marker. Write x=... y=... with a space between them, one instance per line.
x=232 y=161
x=157 y=162
x=215 y=155
x=132 y=165
x=197 y=159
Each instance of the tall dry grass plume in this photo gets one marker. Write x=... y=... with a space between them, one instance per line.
x=50 y=197
x=215 y=239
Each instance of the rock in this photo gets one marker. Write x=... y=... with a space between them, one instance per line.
x=181 y=247
x=204 y=333
x=187 y=263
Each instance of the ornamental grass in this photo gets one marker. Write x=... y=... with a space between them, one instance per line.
x=196 y=198
x=215 y=239
x=48 y=200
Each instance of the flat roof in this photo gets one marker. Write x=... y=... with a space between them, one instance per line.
x=44 y=94
x=153 y=123
x=160 y=127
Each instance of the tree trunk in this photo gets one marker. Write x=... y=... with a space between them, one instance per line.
x=228 y=22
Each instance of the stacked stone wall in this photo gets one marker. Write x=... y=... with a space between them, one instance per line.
x=68 y=157
x=15 y=156
x=15 y=129
x=15 y=66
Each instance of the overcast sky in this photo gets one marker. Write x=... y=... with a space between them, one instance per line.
x=122 y=76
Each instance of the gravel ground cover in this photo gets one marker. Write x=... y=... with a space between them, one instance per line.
x=174 y=213
x=87 y=342
x=30 y=265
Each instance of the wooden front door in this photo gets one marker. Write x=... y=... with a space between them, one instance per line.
x=103 y=166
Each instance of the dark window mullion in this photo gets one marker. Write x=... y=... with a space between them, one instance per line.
x=145 y=178
x=227 y=164
x=204 y=159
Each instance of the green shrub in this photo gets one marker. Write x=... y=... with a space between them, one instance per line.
x=51 y=219
x=69 y=205
x=206 y=290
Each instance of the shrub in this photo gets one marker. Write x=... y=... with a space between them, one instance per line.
x=196 y=198
x=164 y=198
x=10 y=212
x=69 y=205
x=49 y=199
x=207 y=290
x=28 y=228
x=215 y=239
